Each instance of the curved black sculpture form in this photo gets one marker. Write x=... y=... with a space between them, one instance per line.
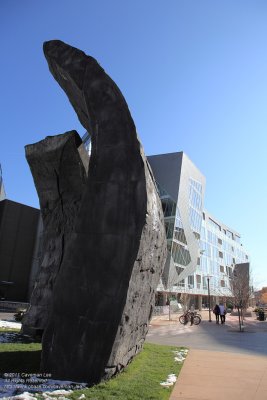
x=103 y=291
x=58 y=164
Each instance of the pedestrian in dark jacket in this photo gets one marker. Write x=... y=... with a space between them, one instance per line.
x=216 y=311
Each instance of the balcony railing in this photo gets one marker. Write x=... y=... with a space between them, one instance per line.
x=190 y=289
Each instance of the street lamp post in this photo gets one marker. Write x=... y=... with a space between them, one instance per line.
x=208 y=279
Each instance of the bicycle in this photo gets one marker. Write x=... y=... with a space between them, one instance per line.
x=198 y=315
x=190 y=316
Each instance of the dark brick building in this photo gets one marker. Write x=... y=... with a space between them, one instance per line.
x=18 y=235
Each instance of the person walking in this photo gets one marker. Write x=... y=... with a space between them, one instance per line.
x=217 y=312
x=222 y=313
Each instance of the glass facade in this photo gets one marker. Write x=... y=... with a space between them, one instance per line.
x=1 y=177
x=219 y=247
x=169 y=209
x=179 y=234
x=195 y=206
x=2 y=190
x=87 y=142
x=218 y=254
x=220 y=251
x=176 y=239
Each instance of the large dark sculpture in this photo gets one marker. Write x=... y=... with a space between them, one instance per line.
x=59 y=165
x=105 y=232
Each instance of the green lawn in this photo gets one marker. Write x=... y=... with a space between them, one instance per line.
x=20 y=357
x=139 y=381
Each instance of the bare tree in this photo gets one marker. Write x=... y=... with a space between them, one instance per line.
x=263 y=295
x=240 y=287
x=185 y=301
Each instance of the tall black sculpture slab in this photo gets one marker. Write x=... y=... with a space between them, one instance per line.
x=58 y=165
x=103 y=293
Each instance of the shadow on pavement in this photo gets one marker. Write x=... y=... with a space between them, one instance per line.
x=212 y=336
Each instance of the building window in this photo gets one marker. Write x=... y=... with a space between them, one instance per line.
x=191 y=281
x=220 y=254
x=178 y=228
x=205 y=282
x=179 y=270
x=219 y=241
x=237 y=238
x=87 y=142
x=169 y=226
x=214 y=224
x=229 y=234
x=229 y=271
x=195 y=205
x=180 y=254
x=168 y=207
x=221 y=268
x=222 y=283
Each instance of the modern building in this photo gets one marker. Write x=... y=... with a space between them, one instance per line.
x=18 y=237
x=2 y=189
x=87 y=142
x=202 y=251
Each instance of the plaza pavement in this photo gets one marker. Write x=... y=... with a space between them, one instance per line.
x=223 y=363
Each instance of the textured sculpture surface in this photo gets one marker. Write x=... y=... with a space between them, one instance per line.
x=109 y=267
x=58 y=165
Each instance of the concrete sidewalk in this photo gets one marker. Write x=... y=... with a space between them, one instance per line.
x=223 y=363
x=212 y=375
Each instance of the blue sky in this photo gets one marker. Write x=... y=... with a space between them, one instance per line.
x=194 y=74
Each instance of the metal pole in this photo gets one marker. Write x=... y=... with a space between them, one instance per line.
x=208 y=278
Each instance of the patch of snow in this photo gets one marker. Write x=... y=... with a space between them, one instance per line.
x=171 y=378
x=10 y=324
x=169 y=381
x=63 y=392
x=166 y=384
x=15 y=385
x=180 y=357
x=22 y=396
